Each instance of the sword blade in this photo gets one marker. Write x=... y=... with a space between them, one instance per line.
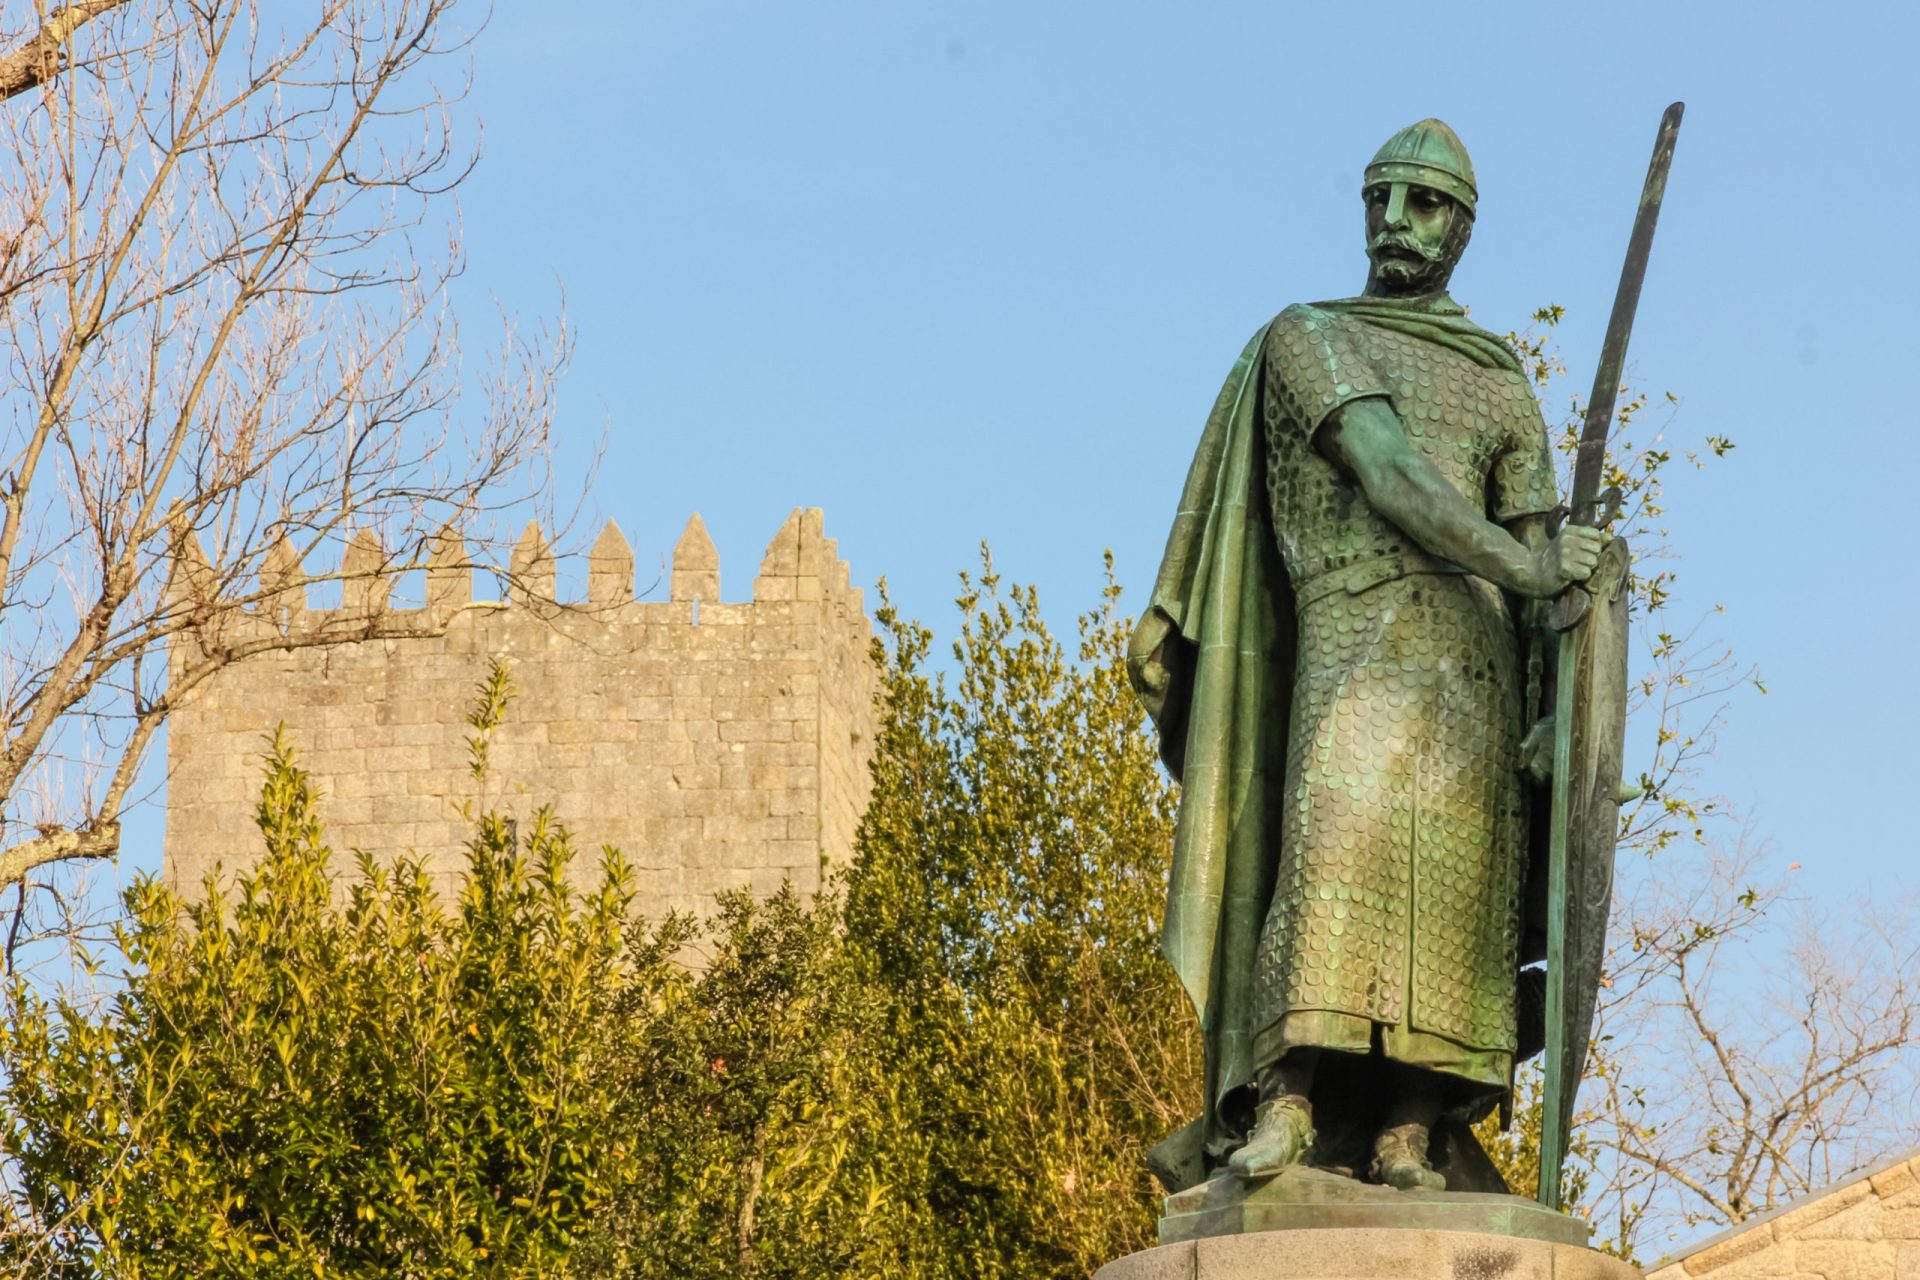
x=1590 y=463
x=1566 y=1049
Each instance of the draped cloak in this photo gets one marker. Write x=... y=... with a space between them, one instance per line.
x=1213 y=661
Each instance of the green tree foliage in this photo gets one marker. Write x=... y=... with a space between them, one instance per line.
x=298 y=1078
x=958 y=1074
x=1005 y=904
x=745 y=1101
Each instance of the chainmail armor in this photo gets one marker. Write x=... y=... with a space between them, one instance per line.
x=1397 y=900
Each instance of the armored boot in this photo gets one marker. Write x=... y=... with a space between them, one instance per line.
x=1400 y=1159
x=1400 y=1150
x=1282 y=1133
x=1282 y=1123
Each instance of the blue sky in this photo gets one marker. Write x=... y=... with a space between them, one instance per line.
x=957 y=271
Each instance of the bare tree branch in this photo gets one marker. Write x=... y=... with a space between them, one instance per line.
x=1752 y=1052
x=58 y=846
x=43 y=56
x=225 y=353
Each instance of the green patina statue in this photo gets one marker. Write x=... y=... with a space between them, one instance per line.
x=1345 y=658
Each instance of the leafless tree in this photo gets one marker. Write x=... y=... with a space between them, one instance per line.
x=225 y=344
x=1748 y=1049
x=1754 y=1049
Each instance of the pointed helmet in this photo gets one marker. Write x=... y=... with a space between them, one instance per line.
x=1427 y=154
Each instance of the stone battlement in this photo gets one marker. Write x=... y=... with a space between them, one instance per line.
x=716 y=744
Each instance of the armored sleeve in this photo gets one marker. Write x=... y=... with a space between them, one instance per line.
x=1316 y=364
x=1523 y=478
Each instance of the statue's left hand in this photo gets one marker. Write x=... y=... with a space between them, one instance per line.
x=1536 y=751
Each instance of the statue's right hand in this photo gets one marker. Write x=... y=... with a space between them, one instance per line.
x=1570 y=557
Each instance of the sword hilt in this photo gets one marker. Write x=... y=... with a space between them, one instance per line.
x=1571 y=606
x=1598 y=514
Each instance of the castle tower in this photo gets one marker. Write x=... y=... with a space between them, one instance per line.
x=718 y=745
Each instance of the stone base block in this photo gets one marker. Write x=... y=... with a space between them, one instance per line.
x=1377 y=1253
x=1305 y=1198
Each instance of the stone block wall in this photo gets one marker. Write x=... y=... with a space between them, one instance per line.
x=1867 y=1228
x=718 y=745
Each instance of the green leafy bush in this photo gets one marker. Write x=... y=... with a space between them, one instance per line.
x=1005 y=902
x=301 y=1077
x=958 y=1074
x=951 y=1065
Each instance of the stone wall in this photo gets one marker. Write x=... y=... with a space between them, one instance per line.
x=716 y=744
x=1867 y=1228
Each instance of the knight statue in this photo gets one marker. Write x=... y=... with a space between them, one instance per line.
x=1345 y=658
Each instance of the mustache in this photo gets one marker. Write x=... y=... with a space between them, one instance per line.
x=1402 y=244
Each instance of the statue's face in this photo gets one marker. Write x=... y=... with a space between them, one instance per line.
x=1414 y=237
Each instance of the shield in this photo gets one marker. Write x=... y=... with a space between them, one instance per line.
x=1590 y=726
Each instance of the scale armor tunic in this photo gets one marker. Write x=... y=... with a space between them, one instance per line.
x=1396 y=908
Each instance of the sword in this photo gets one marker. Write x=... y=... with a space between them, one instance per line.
x=1588 y=505
x=1567 y=1046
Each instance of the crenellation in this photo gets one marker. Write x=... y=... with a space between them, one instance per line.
x=812 y=539
x=782 y=556
x=696 y=567
x=365 y=580
x=532 y=572
x=282 y=605
x=716 y=743
x=610 y=570
x=192 y=579
x=449 y=574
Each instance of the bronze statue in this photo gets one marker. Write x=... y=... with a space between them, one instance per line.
x=1348 y=660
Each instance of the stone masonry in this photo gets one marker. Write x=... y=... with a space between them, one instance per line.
x=1866 y=1228
x=718 y=745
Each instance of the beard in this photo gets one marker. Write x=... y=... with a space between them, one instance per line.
x=1407 y=266
x=1404 y=266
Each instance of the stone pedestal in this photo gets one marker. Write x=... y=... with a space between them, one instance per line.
x=1367 y=1253
x=1314 y=1224
x=1304 y=1197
